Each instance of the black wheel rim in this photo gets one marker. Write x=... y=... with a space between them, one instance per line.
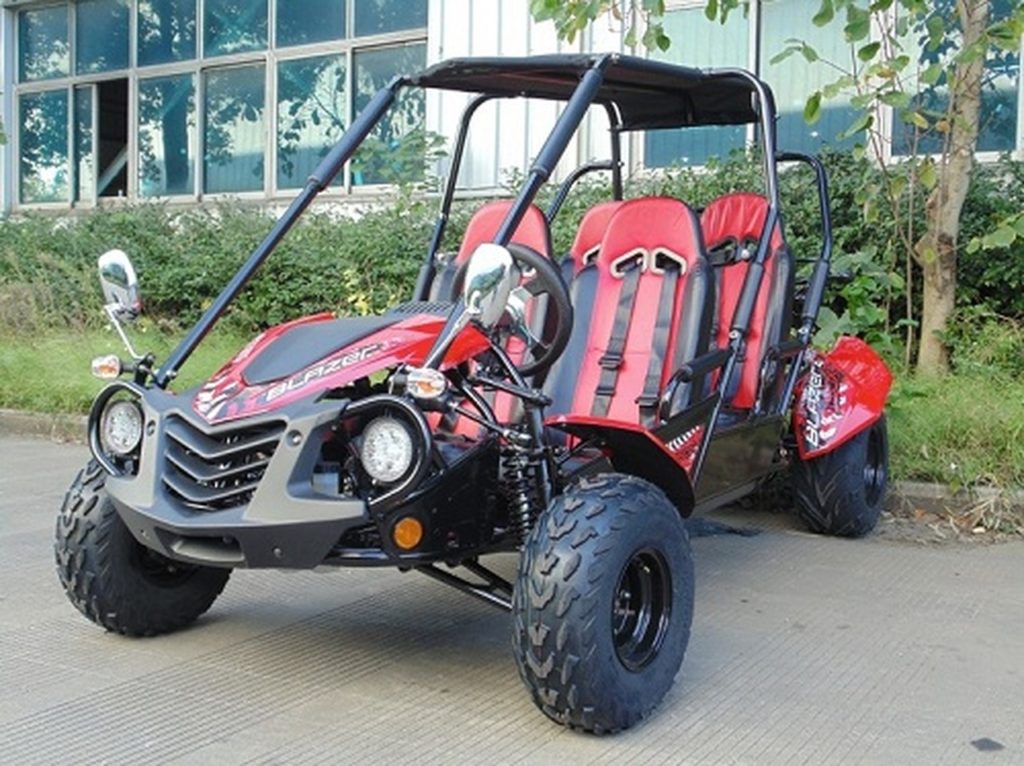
x=875 y=467
x=641 y=609
x=160 y=570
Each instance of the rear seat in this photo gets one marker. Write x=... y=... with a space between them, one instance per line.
x=651 y=286
x=533 y=231
x=732 y=226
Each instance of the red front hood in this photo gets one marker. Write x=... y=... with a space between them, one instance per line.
x=229 y=396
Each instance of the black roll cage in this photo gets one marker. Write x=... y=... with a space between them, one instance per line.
x=582 y=79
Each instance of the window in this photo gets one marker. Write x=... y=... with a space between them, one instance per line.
x=44 y=146
x=43 y=50
x=234 y=131
x=394 y=151
x=101 y=35
x=374 y=17
x=166 y=31
x=311 y=115
x=309 y=21
x=186 y=98
x=235 y=26
x=696 y=42
x=997 y=131
x=699 y=42
x=84 y=167
x=167 y=135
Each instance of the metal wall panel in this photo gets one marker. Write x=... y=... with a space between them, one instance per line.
x=508 y=135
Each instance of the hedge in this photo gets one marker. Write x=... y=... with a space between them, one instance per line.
x=363 y=263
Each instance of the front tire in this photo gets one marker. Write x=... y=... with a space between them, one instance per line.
x=842 y=492
x=113 y=579
x=603 y=603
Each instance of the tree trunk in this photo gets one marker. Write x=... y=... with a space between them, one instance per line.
x=937 y=248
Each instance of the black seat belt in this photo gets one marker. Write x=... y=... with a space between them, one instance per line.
x=612 y=359
x=651 y=394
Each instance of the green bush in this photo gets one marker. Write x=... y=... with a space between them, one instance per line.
x=184 y=258
x=363 y=264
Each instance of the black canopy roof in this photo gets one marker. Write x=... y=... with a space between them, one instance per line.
x=648 y=94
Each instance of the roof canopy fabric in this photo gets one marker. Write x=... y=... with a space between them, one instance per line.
x=647 y=94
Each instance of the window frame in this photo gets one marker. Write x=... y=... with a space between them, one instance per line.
x=198 y=66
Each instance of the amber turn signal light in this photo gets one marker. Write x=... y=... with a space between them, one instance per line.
x=407 y=533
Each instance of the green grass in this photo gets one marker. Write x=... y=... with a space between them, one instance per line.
x=50 y=373
x=965 y=430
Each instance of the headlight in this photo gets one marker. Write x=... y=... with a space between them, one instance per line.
x=121 y=427
x=387 y=450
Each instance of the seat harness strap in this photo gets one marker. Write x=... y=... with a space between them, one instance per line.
x=648 y=399
x=611 y=362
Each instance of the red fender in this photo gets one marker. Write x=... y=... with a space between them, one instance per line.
x=842 y=394
x=634 y=450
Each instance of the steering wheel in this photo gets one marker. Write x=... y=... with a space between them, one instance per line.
x=540 y=284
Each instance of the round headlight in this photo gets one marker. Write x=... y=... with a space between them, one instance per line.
x=121 y=427
x=387 y=450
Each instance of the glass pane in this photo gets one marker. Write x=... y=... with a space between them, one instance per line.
x=101 y=35
x=167 y=135
x=310 y=115
x=234 y=130
x=85 y=160
x=794 y=79
x=44 y=147
x=396 y=150
x=997 y=131
x=167 y=31
x=699 y=42
x=376 y=16
x=235 y=26
x=309 y=21
x=43 y=49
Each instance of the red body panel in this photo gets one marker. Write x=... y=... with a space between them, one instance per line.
x=636 y=450
x=844 y=393
x=227 y=396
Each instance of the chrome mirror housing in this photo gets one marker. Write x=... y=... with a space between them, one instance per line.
x=120 y=285
x=490 y=275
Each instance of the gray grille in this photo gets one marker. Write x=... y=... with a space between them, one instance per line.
x=213 y=472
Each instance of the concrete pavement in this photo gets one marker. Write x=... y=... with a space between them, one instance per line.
x=805 y=650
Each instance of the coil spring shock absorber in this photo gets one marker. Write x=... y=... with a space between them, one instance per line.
x=518 y=470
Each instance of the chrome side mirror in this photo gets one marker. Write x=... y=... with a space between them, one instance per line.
x=490 y=276
x=120 y=285
x=121 y=293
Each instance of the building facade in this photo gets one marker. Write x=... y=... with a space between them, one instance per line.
x=189 y=100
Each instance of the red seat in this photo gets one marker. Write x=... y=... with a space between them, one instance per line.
x=591 y=231
x=655 y=235
x=734 y=223
x=532 y=231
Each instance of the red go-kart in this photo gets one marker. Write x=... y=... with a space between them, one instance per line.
x=574 y=410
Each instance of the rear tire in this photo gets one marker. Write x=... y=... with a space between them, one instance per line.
x=113 y=579
x=603 y=603
x=842 y=492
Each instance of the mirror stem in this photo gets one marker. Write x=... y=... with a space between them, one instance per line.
x=111 y=311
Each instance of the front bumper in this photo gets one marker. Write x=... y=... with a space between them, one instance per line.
x=285 y=521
